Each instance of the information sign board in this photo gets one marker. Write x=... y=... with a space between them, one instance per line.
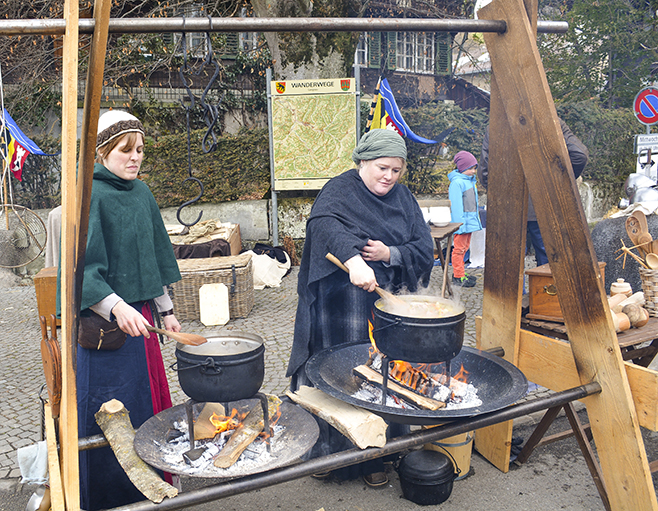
x=313 y=131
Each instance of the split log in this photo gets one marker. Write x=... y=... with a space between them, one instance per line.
x=203 y=428
x=246 y=433
x=369 y=374
x=363 y=428
x=114 y=420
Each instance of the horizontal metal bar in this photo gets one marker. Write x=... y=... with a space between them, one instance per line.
x=92 y=442
x=164 y=25
x=353 y=456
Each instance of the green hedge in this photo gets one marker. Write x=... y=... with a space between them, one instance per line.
x=238 y=169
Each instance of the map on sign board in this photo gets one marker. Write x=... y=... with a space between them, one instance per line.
x=313 y=131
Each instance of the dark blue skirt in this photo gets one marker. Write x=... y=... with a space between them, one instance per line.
x=103 y=375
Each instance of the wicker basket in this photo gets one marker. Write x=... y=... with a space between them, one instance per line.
x=236 y=272
x=650 y=287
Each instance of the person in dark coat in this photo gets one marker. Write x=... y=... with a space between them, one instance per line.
x=578 y=154
x=373 y=224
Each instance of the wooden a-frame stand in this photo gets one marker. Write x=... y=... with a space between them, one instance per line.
x=526 y=147
x=528 y=153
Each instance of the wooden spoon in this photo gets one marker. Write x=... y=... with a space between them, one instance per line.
x=381 y=292
x=633 y=229
x=190 y=339
x=652 y=260
x=644 y=237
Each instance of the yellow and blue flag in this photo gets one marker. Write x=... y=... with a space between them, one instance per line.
x=386 y=114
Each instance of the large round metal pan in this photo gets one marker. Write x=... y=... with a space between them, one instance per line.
x=300 y=434
x=499 y=383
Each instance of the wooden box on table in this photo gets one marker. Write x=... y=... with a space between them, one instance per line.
x=544 y=303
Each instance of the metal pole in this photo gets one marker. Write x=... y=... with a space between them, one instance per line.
x=275 y=204
x=350 y=457
x=164 y=25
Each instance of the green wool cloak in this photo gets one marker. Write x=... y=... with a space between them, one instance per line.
x=128 y=248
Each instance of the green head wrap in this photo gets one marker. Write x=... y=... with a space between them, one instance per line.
x=380 y=143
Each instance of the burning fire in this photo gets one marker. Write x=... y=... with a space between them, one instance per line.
x=422 y=378
x=417 y=378
x=225 y=423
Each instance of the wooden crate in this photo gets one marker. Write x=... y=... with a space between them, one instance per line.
x=45 y=285
x=236 y=272
x=544 y=303
x=235 y=240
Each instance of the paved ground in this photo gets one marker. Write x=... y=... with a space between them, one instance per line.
x=556 y=476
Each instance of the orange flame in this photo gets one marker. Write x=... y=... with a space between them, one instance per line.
x=373 y=348
x=462 y=375
x=223 y=423
x=273 y=420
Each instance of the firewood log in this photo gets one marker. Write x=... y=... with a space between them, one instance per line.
x=373 y=376
x=363 y=428
x=245 y=433
x=203 y=428
x=114 y=420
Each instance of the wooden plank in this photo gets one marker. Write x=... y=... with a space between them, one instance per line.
x=534 y=125
x=69 y=409
x=549 y=362
x=54 y=469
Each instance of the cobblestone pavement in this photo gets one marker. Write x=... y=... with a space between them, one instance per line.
x=272 y=317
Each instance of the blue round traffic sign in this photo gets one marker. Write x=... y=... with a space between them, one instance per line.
x=646 y=105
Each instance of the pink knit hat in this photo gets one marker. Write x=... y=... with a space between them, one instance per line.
x=464 y=160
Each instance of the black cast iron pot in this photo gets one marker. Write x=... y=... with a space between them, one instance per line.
x=419 y=339
x=426 y=477
x=227 y=368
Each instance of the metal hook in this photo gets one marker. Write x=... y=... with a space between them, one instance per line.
x=210 y=112
x=190 y=202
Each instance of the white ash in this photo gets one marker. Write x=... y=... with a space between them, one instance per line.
x=373 y=394
x=467 y=398
x=442 y=393
x=255 y=456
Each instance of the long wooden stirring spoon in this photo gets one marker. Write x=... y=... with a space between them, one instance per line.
x=381 y=292
x=189 y=339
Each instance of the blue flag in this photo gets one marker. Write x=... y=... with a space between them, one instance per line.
x=387 y=115
x=19 y=146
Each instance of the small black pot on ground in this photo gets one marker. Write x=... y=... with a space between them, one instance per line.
x=426 y=477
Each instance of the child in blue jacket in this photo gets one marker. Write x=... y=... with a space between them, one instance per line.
x=463 y=196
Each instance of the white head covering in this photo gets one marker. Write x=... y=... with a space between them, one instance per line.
x=116 y=123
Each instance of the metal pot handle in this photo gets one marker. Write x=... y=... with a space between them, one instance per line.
x=209 y=362
x=393 y=323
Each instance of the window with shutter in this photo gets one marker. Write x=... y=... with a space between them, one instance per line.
x=231 y=45
x=391 y=49
x=374 y=49
x=443 y=53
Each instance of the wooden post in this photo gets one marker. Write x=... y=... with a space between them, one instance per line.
x=533 y=124
x=75 y=217
x=505 y=247
x=69 y=409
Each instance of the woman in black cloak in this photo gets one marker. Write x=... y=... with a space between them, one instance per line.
x=374 y=225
